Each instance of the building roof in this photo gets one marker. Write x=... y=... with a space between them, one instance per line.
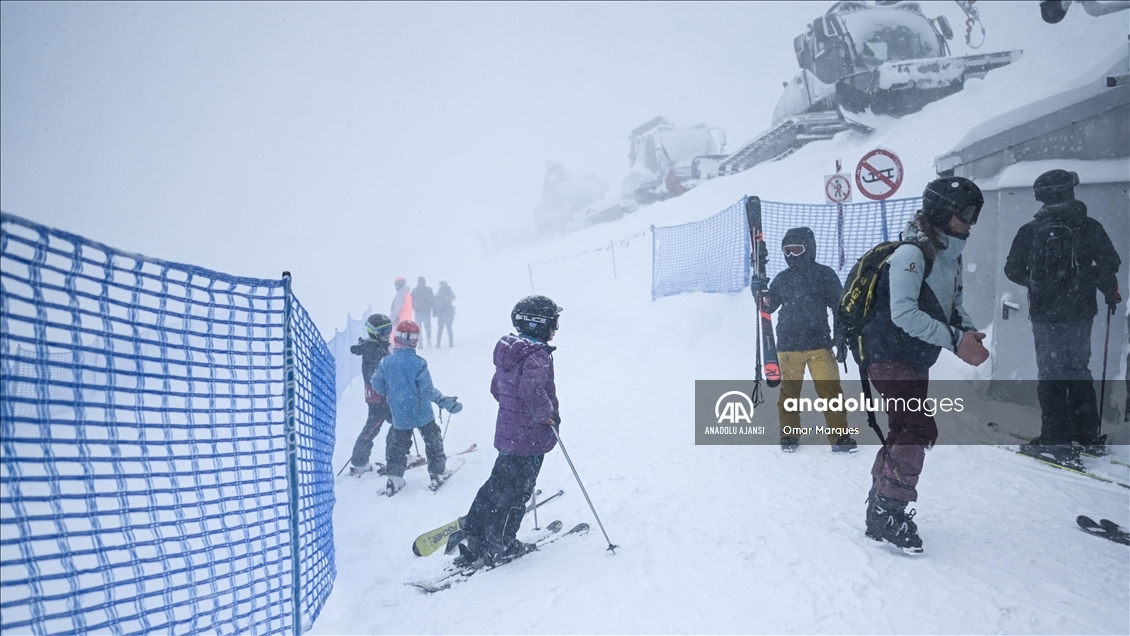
x=1081 y=100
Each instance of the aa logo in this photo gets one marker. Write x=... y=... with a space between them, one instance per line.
x=734 y=407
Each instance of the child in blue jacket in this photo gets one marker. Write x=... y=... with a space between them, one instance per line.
x=403 y=378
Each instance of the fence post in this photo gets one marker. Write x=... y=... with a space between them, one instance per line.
x=652 y=228
x=291 y=432
x=883 y=218
x=613 y=250
x=530 y=269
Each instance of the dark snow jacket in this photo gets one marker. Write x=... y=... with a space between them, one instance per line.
x=1095 y=256
x=422 y=299
x=804 y=292
x=442 y=305
x=527 y=396
x=371 y=352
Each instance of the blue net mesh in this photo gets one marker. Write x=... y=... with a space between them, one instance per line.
x=142 y=451
x=712 y=255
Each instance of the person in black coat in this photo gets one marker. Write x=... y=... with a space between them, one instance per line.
x=444 y=309
x=1063 y=257
x=804 y=293
x=422 y=299
x=372 y=350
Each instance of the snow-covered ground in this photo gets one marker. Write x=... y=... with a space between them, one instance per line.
x=735 y=539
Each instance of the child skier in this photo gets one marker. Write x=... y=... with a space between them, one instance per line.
x=527 y=409
x=404 y=379
x=372 y=350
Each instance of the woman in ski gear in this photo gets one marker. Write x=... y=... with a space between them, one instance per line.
x=401 y=302
x=444 y=310
x=524 y=386
x=422 y=299
x=918 y=311
x=403 y=377
x=804 y=293
x=1062 y=257
x=372 y=350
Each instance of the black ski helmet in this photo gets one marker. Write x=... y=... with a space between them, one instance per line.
x=1055 y=186
x=536 y=317
x=379 y=326
x=948 y=196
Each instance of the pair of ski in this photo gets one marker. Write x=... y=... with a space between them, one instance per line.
x=420 y=460
x=455 y=575
x=1027 y=440
x=1105 y=528
x=433 y=540
x=436 y=482
x=758 y=258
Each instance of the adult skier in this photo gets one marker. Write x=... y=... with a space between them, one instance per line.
x=403 y=378
x=918 y=311
x=804 y=293
x=372 y=350
x=444 y=309
x=1062 y=256
x=422 y=299
x=401 y=302
x=527 y=407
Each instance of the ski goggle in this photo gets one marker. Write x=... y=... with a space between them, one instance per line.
x=379 y=332
x=407 y=336
x=968 y=213
x=793 y=250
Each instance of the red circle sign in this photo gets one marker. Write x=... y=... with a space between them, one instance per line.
x=837 y=188
x=879 y=174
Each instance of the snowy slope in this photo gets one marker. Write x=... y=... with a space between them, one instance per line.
x=733 y=539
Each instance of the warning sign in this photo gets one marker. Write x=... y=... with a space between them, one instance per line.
x=879 y=174
x=837 y=188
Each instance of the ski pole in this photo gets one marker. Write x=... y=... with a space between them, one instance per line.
x=1102 y=386
x=611 y=546
x=342 y=469
x=415 y=443
x=536 y=510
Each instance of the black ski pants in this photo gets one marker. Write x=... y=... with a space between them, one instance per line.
x=1066 y=390
x=499 y=506
x=399 y=441
x=363 y=447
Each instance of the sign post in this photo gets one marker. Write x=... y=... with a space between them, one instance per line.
x=837 y=189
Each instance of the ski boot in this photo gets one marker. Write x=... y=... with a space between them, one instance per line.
x=1062 y=454
x=504 y=553
x=845 y=445
x=1095 y=446
x=888 y=521
x=357 y=471
x=393 y=486
x=789 y=444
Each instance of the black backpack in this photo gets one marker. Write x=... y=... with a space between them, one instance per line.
x=1053 y=258
x=858 y=300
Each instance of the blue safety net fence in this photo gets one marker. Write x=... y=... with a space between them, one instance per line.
x=713 y=255
x=165 y=445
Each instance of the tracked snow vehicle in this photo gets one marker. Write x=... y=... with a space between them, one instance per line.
x=569 y=203
x=667 y=160
x=861 y=59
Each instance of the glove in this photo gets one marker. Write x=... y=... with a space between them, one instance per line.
x=450 y=404
x=1113 y=298
x=841 y=351
x=970 y=349
x=555 y=418
x=758 y=285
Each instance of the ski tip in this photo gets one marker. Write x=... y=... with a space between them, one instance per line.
x=555 y=526
x=579 y=528
x=1086 y=522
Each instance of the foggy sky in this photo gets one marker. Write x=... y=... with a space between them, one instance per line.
x=350 y=142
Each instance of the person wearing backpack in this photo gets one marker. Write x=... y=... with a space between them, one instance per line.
x=1062 y=256
x=916 y=312
x=804 y=293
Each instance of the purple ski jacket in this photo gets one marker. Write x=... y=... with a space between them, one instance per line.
x=527 y=397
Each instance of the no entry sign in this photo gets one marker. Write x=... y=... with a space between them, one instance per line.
x=879 y=174
x=837 y=188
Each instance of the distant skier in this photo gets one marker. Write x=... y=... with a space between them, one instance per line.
x=401 y=303
x=372 y=350
x=444 y=309
x=804 y=293
x=422 y=299
x=524 y=386
x=403 y=377
x=918 y=311
x=1062 y=257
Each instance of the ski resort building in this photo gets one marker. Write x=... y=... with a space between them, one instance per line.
x=1086 y=129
